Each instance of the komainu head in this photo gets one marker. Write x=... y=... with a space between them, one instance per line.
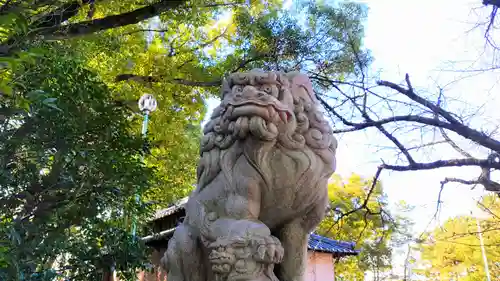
x=269 y=108
x=254 y=104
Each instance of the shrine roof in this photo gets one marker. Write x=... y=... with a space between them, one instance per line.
x=316 y=242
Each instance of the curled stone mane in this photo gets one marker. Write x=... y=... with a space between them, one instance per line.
x=268 y=107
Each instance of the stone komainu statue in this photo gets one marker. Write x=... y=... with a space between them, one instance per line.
x=266 y=156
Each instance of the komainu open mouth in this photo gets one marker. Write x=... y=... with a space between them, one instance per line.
x=270 y=112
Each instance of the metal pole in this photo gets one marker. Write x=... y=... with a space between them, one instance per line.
x=145 y=124
x=147 y=104
x=408 y=267
x=137 y=195
x=485 y=259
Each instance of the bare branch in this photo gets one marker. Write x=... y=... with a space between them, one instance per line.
x=448 y=180
x=486 y=209
x=485 y=177
x=364 y=205
x=443 y=132
x=462 y=181
x=413 y=96
x=443 y=164
x=368 y=119
x=495 y=3
x=460 y=129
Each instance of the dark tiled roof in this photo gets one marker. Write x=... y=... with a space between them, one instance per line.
x=324 y=244
x=170 y=210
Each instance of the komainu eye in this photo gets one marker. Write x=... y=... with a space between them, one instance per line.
x=270 y=90
x=238 y=89
x=266 y=88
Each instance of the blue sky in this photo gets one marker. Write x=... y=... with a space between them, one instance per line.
x=419 y=38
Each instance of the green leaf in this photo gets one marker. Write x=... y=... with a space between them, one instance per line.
x=7 y=62
x=49 y=100
x=5 y=89
x=36 y=94
x=7 y=19
x=53 y=106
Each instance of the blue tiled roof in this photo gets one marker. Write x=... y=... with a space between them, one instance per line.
x=324 y=244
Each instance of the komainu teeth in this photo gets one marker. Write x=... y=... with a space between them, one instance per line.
x=283 y=117
x=228 y=112
x=271 y=111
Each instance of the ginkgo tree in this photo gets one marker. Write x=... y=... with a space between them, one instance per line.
x=453 y=250
x=374 y=228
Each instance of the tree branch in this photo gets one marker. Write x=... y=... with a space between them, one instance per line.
x=367 y=117
x=88 y=27
x=443 y=183
x=364 y=205
x=443 y=164
x=137 y=78
x=92 y=26
x=244 y=63
x=156 y=79
x=443 y=132
x=495 y=3
x=146 y=30
x=460 y=129
x=60 y=15
x=213 y=83
x=413 y=96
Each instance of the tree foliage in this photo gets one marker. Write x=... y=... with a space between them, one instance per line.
x=453 y=250
x=372 y=227
x=71 y=74
x=70 y=166
x=183 y=56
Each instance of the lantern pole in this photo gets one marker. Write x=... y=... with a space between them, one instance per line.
x=147 y=104
x=483 y=251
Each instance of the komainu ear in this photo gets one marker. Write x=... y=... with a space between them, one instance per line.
x=225 y=88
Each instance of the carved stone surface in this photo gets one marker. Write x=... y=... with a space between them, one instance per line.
x=266 y=156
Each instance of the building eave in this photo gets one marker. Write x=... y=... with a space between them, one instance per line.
x=316 y=242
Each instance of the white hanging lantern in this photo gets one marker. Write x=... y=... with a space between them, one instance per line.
x=147 y=103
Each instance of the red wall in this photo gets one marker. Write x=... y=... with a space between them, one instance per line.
x=158 y=274
x=319 y=268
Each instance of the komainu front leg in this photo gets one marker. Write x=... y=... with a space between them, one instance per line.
x=183 y=258
x=294 y=238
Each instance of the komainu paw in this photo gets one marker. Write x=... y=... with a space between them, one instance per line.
x=268 y=249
